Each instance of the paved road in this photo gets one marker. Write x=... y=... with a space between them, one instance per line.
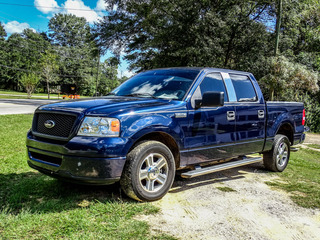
x=21 y=106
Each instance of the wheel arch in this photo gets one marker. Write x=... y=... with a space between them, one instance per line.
x=164 y=138
x=287 y=130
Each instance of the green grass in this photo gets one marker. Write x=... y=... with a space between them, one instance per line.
x=34 y=206
x=302 y=178
x=226 y=189
x=317 y=146
x=22 y=95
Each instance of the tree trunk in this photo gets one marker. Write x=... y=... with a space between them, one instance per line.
x=48 y=88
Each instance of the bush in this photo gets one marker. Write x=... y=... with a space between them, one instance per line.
x=29 y=81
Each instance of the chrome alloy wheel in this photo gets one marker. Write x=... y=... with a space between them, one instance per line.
x=282 y=154
x=153 y=172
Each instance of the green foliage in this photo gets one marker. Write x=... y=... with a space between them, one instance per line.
x=162 y=33
x=22 y=54
x=74 y=44
x=286 y=78
x=312 y=106
x=49 y=67
x=3 y=55
x=316 y=146
x=29 y=81
x=108 y=76
x=66 y=55
x=34 y=206
x=291 y=81
x=3 y=33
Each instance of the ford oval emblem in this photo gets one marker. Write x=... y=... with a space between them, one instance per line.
x=49 y=124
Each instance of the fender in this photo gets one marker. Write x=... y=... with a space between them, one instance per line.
x=275 y=125
x=153 y=124
x=284 y=118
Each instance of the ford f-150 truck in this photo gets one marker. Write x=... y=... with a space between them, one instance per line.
x=198 y=120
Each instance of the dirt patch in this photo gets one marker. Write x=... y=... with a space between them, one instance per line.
x=197 y=209
x=312 y=138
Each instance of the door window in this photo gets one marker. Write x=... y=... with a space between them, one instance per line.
x=213 y=82
x=243 y=87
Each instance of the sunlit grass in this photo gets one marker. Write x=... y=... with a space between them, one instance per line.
x=34 y=206
x=302 y=178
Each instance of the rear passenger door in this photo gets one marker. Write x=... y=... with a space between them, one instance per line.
x=250 y=116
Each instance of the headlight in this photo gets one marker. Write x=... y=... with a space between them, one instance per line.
x=100 y=127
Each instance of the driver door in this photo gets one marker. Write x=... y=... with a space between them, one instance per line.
x=211 y=130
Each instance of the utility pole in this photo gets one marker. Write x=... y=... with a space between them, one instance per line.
x=98 y=65
x=278 y=26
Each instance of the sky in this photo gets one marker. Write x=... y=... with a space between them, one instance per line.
x=35 y=14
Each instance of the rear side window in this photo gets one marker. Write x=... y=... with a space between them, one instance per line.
x=244 y=89
x=213 y=83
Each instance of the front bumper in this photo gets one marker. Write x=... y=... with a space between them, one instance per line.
x=72 y=162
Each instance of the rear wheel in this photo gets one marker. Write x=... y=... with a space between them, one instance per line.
x=278 y=157
x=149 y=171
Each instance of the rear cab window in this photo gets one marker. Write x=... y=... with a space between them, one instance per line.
x=243 y=87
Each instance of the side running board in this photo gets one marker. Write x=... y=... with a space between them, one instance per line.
x=219 y=167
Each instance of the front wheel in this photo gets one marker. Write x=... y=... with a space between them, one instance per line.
x=277 y=159
x=149 y=171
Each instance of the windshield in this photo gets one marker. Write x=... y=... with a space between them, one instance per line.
x=162 y=83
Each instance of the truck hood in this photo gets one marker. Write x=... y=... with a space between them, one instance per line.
x=104 y=105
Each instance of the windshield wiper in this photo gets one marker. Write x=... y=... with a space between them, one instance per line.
x=140 y=95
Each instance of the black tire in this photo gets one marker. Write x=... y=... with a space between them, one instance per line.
x=277 y=158
x=149 y=171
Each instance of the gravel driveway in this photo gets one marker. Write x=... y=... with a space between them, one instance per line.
x=197 y=209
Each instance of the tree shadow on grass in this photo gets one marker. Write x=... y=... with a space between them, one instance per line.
x=36 y=192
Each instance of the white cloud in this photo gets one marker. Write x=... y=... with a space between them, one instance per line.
x=46 y=6
x=126 y=73
x=76 y=7
x=89 y=14
x=16 y=27
x=101 y=5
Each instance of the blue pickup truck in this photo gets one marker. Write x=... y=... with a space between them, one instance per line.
x=196 y=120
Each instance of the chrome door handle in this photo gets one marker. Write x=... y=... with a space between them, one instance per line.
x=260 y=113
x=231 y=115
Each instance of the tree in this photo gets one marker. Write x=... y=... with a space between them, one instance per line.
x=300 y=32
x=162 y=33
x=3 y=56
x=3 y=32
x=24 y=52
x=73 y=42
x=288 y=80
x=108 y=75
x=29 y=81
x=49 y=68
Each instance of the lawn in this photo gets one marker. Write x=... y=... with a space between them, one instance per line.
x=34 y=206
x=302 y=178
x=7 y=94
x=22 y=95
